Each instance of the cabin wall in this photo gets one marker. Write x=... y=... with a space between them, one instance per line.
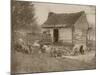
x=79 y=36
x=50 y=30
x=80 y=30
x=65 y=35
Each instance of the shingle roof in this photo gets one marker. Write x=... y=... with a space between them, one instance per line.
x=61 y=20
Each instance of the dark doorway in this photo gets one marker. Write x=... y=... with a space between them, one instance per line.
x=56 y=35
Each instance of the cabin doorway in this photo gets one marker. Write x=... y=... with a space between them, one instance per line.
x=56 y=35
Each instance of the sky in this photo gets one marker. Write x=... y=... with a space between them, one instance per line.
x=42 y=10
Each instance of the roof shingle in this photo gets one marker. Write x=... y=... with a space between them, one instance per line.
x=62 y=20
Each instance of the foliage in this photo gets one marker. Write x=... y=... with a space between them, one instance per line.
x=23 y=16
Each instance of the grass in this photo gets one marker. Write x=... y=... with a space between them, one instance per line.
x=42 y=62
x=25 y=63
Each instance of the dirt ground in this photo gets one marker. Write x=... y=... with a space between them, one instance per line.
x=42 y=62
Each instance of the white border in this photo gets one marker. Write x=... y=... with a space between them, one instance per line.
x=5 y=35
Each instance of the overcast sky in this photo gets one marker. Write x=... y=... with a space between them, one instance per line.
x=42 y=10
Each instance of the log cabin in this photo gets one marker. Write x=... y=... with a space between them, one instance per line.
x=69 y=28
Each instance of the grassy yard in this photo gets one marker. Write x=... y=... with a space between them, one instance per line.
x=25 y=63
x=42 y=62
